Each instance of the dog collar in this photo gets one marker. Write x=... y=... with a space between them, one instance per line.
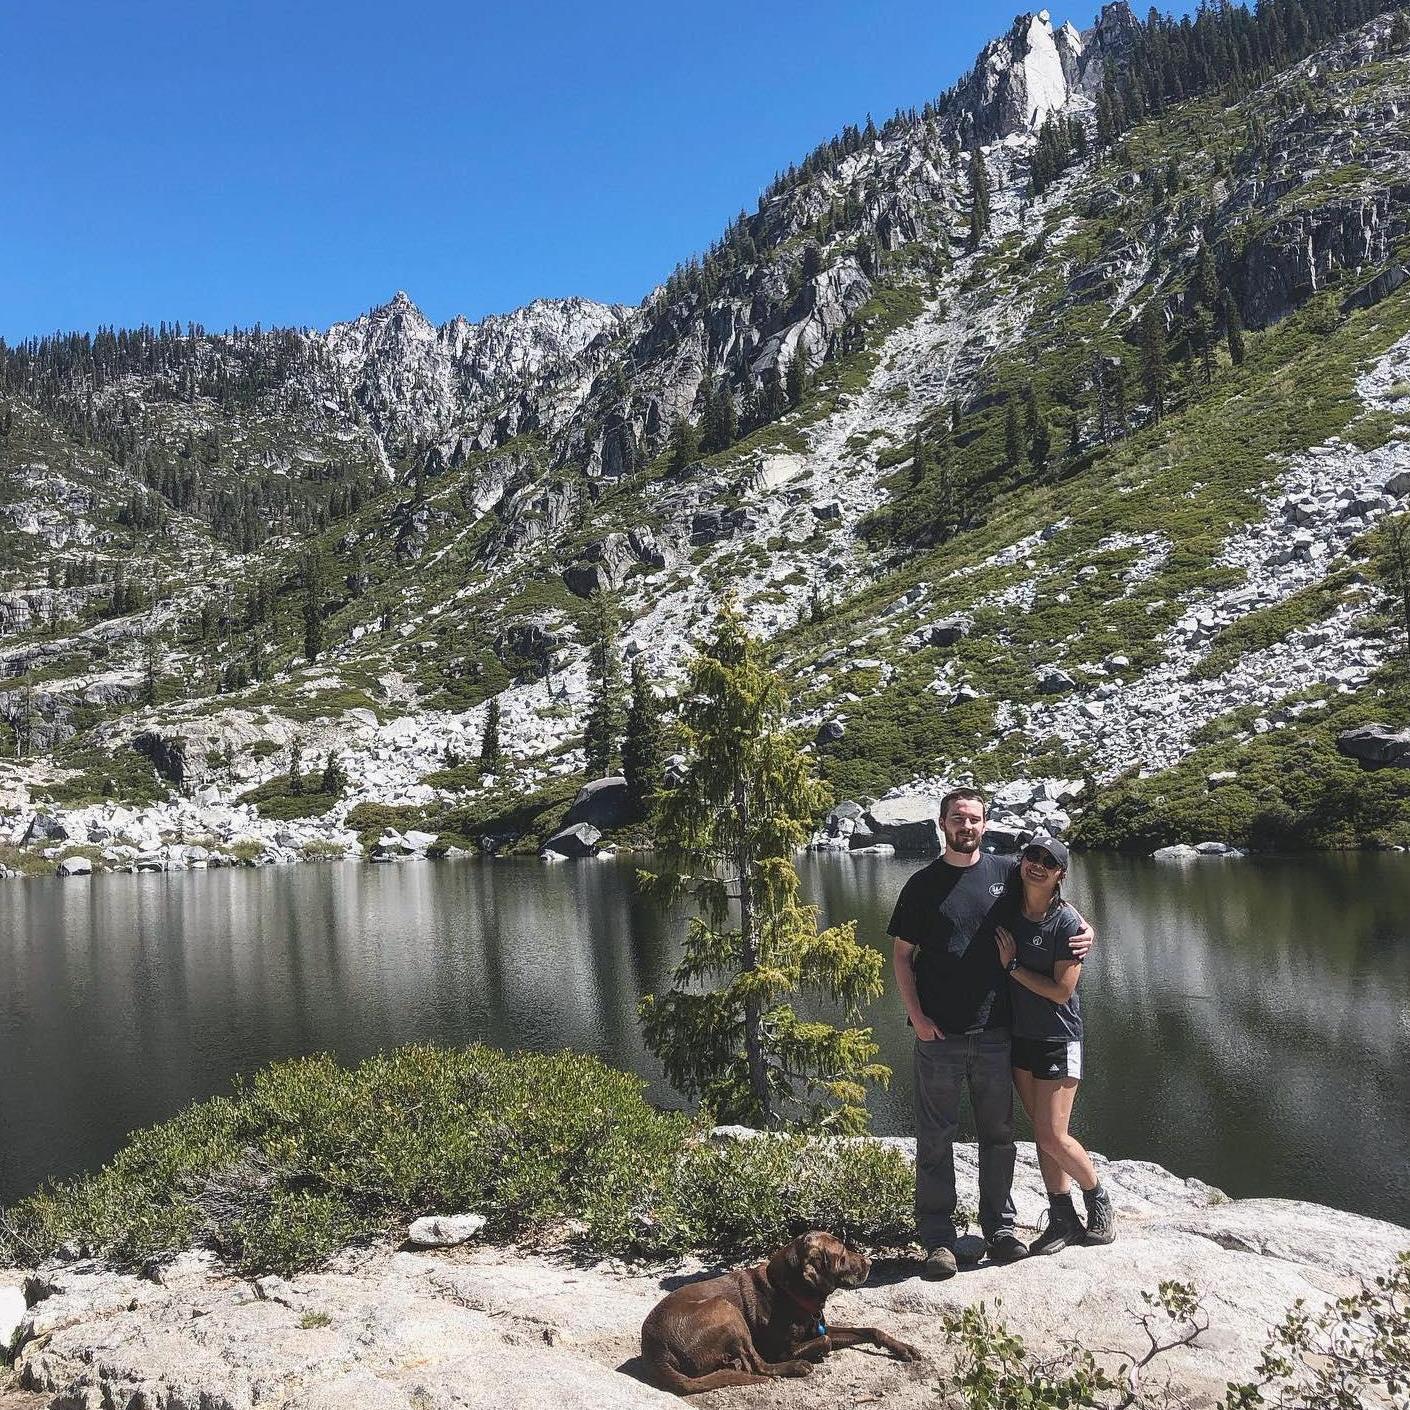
x=812 y=1306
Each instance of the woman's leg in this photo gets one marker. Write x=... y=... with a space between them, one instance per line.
x=1055 y=1179
x=1052 y=1110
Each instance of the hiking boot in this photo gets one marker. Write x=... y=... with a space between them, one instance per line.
x=940 y=1263
x=1064 y=1227
x=1101 y=1217
x=1005 y=1247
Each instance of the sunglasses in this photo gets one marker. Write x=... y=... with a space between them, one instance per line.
x=1042 y=857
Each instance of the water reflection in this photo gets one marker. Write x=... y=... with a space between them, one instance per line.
x=1248 y=1021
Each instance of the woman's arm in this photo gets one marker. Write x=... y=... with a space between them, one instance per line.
x=1060 y=988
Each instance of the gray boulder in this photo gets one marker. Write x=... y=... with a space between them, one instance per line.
x=76 y=866
x=909 y=824
x=1180 y=852
x=1053 y=680
x=945 y=633
x=1376 y=746
x=580 y=840
x=829 y=732
x=604 y=803
x=444 y=1230
x=43 y=828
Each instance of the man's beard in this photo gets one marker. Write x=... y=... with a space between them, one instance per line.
x=970 y=844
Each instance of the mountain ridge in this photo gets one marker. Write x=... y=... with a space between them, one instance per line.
x=461 y=522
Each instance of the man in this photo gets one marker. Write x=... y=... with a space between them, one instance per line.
x=957 y=999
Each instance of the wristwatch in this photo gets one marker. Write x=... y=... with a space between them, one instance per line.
x=1012 y=965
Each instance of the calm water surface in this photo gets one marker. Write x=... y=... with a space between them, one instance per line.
x=1249 y=1022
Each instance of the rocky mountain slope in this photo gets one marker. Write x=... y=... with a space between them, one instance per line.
x=1051 y=433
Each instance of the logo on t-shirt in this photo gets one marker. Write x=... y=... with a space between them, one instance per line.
x=997 y=889
x=1037 y=941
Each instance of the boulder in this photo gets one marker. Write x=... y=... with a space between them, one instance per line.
x=1052 y=680
x=13 y=1308
x=910 y=824
x=1376 y=746
x=444 y=1230
x=1180 y=852
x=829 y=732
x=1398 y=484
x=945 y=633
x=580 y=840
x=76 y=866
x=43 y=828
x=603 y=802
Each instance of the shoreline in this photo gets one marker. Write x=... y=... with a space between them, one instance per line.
x=386 y=1325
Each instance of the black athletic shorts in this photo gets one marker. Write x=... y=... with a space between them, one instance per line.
x=1049 y=1058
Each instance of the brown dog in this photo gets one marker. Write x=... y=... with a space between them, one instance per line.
x=745 y=1327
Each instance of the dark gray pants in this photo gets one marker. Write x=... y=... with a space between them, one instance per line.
x=942 y=1069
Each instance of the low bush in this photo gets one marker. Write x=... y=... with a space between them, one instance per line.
x=307 y=1156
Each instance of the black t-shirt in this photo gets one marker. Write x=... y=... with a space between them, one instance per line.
x=950 y=913
x=1041 y=944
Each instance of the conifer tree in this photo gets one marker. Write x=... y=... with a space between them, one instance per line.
x=797 y=385
x=1013 y=434
x=774 y=401
x=920 y=460
x=491 y=752
x=1041 y=446
x=296 y=776
x=603 y=731
x=642 y=744
x=684 y=446
x=313 y=607
x=1233 y=329
x=725 y=840
x=335 y=777
x=979 y=199
x=1153 y=357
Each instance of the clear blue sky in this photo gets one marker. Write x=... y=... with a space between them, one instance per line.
x=297 y=162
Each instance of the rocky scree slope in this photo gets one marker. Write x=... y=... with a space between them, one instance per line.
x=465 y=488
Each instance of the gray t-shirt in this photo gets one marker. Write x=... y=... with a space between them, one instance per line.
x=1041 y=944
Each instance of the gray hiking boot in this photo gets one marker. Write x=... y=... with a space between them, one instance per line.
x=1064 y=1227
x=940 y=1263
x=1101 y=1217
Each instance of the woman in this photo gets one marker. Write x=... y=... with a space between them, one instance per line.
x=1047 y=1039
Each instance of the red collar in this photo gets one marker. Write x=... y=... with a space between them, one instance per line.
x=813 y=1306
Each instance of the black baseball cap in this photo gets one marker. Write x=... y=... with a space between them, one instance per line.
x=1055 y=849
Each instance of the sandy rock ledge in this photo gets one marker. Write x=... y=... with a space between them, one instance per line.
x=482 y=1328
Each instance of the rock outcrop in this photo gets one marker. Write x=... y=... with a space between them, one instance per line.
x=496 y=1328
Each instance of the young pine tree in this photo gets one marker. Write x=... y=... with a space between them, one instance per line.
x=491 y=751
x=979 y=202
x=313 y=607
x=602 y=733
x=684 y=447
x=335 y=776
x=643 y=745
x=1233 y=329
x=1013 y=434
x=797 y=383
x=1153 y=358
x=727 y=1031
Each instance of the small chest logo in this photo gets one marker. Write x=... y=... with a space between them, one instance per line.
x=997 y=889
x=1037 y=942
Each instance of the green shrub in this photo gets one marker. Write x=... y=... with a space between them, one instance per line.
x=308 y=1156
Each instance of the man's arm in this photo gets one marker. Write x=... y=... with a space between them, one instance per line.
x=1081 y=943
x=903 y=961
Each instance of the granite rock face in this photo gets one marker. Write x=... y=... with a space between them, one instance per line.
x=503 y=1328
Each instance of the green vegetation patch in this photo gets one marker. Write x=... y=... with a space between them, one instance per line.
x=307 y=1156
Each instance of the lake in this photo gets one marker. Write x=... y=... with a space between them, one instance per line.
x=1248 y=1021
